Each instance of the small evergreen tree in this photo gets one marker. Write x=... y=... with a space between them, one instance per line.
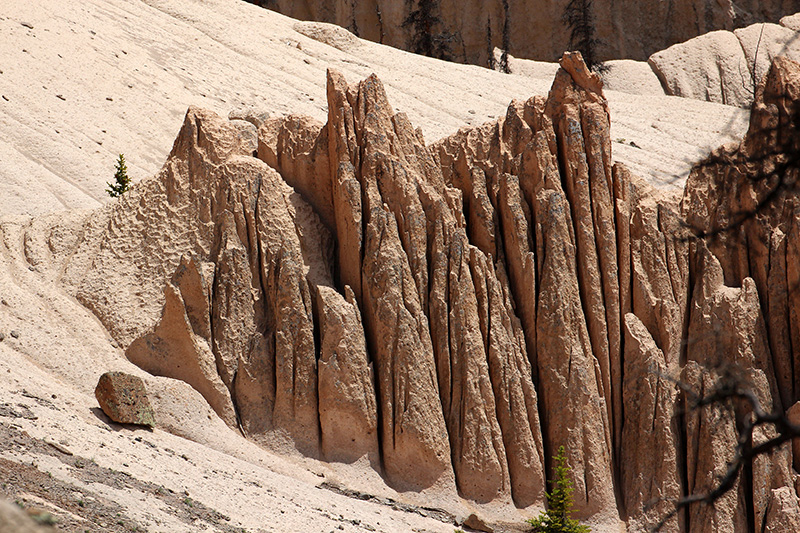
x=559 y=503
x=121 y=180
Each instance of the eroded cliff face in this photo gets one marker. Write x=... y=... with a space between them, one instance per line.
x=456 y=312
x=468 y=31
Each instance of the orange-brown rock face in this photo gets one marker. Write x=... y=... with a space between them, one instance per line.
x=764 y=247
x=534 y=29
x=537 y=231
x=456 y=312
x=650 y=481
x=728 y=330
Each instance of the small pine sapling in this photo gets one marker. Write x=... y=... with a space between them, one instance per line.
x=559 y=503
x=121 y=180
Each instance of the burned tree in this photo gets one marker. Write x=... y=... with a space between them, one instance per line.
x=506 y=40
x=742 y=216
x=579 y=19
x=492 y=62
x=426 y=37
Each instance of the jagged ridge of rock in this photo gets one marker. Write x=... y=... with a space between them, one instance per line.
x=456 y=312
x=532 y=29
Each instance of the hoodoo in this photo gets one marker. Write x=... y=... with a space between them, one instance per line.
x=455 y=312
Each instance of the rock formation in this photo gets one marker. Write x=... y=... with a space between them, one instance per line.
x=532 y=29
x=456 y=312
x=725 y=66
x=347 y=407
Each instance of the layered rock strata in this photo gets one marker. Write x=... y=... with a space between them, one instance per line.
x=456 y=312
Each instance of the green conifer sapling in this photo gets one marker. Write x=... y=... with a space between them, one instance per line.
x=121 y=180
x=559 y=503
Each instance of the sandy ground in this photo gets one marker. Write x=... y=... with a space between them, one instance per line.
x=84 y=80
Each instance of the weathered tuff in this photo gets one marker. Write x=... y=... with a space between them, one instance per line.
x=464 y=308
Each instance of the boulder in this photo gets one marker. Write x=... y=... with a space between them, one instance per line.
x=723 y=66
x=330 y=34
x=249 y=134
x=791 y=21
x=249 y=113
x=476 y=523
x=124 y=399
x=13 y=519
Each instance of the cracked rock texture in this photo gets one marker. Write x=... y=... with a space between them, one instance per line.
x=455 y=312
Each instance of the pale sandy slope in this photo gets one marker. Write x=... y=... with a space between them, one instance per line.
x=84 y=80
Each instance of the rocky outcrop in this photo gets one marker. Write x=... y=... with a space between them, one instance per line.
x=236 y=316
x=710 y=67
x=649 y=481
x=532 y=29
x=347 y=407
x=729 y=343
x=741 y=180
x=454 y=313
x=741 y=320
